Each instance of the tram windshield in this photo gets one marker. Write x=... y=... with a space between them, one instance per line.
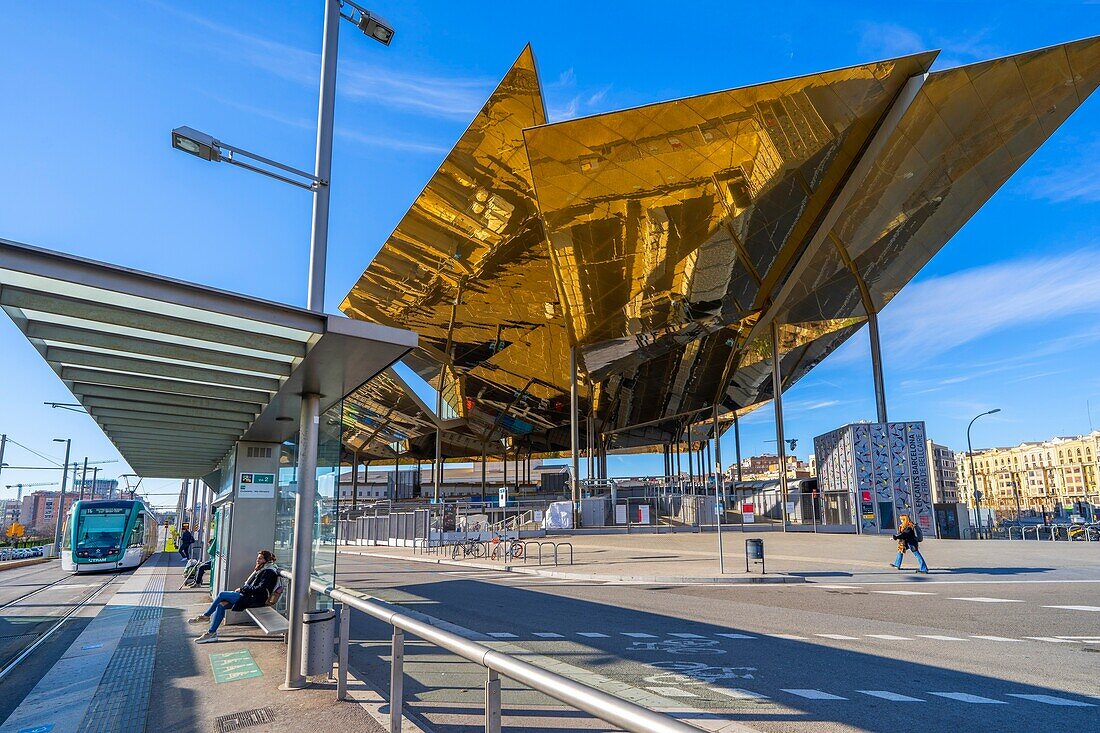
x=101 y=528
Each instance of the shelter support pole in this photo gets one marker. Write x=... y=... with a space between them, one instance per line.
x=574 y=432
x=737 y=444
x=719 y=503
x=876 y=366
x=303 y=537
x=355 y=480
x=780 y=441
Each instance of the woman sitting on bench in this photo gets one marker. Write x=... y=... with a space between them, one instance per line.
x=253 y=594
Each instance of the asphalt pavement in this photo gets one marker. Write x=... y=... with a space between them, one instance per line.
x=1007 y=647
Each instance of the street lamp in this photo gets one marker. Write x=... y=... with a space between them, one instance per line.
x=60 y=509
x=973 y=477
x=209 y=148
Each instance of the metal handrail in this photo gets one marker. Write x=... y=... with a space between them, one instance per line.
x=608 y=708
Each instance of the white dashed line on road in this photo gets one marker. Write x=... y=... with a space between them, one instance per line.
x=638 y=635
x=738 y=693
x=592 y=634
x=842 y=637
x=939 y=637
x=1051 y=700
x=966 y=697
x=982 y=599
x=891 y=696
x=690 y=636
x=1076 y=608
x=815 y=694
x=994 y=638
x=502 y=635
x=792 y=637
x=734 y=636
x=1051 y=639
x=889 y=637
x=548 y=635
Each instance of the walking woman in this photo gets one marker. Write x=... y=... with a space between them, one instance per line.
x=253 y=594
x=909 y=538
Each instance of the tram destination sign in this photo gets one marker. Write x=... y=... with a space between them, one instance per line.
x=256 y=486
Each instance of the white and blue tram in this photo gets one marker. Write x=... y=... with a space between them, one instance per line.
x=107 y=535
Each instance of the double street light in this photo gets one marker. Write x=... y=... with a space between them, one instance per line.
x=973 y=477
x=210 y=148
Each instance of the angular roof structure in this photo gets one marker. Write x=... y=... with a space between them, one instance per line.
x=662 y=242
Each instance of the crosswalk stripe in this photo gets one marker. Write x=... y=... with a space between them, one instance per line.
x=939 y=637
x=983 y=599
x=994 y=638
x=1076 y=608
x=966 y=697
x=688 y=636
x=502 y=635
x=815 y=694
x=1051 y=639
x=548 y=635
x=891 y=696
x=637 y=635
x=592 y=634
x=890 y=637
x=837 y=636
x=1051 y=700
x=672 y=692
x=737 y=636
x=738 y=693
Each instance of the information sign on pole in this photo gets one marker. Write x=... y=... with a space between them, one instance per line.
x=502 y=496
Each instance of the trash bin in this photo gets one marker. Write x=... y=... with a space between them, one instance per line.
x=754 y=552
x=319 y=629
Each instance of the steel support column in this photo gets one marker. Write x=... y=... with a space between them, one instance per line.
x=719 y=492
x=303 y=537
x=876 y=366
x=574 y=432
x=780 y=441
x=737 y=444
x=355 y=479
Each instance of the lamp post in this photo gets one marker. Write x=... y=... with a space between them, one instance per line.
x=208 y=148
x=973 y=476
x=60 y=511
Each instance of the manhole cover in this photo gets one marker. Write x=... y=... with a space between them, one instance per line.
x=243 y=719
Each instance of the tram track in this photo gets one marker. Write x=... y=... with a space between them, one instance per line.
x=9 y=665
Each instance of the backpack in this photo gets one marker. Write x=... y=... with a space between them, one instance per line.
x=918 y=532
x=273 y=597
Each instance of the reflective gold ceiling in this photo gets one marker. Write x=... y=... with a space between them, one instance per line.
x=663 y=241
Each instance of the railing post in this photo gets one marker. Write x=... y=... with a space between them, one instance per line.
x=492 y=701
x=342 y=655
x=397 y=679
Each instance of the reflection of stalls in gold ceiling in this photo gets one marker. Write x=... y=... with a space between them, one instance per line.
x=664 y=240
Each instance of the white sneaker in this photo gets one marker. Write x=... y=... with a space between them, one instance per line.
x=198 y=620
x=206 y=638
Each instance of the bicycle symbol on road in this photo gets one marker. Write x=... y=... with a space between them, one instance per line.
x=678 y=646
x=696 y=673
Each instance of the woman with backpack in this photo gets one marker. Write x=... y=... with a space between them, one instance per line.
x=909 y=538
x=254 y=593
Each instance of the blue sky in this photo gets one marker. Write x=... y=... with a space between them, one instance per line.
x=1006 y=315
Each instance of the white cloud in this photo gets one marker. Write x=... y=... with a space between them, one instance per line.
x=426 y=94
x=885 y=40
x=889 y=39
x=932 y=317
x=1077 y=180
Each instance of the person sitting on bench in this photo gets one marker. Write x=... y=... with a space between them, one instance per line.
x=254 y=593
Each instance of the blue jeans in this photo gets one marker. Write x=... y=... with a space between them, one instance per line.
x=916 y=554
x=216 y=612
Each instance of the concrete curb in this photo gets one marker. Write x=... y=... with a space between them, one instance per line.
x=773 y=578
x=13 y=564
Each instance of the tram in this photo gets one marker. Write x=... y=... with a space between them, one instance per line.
x=107 y=535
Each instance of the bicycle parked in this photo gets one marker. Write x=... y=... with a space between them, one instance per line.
x=513 y=548
x=469 y=548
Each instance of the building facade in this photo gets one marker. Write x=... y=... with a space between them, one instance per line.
x=943 y=474
x=1058 y=476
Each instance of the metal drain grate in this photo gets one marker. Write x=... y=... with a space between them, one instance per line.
x=243 y=719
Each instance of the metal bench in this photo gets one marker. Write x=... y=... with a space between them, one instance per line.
x=270 y=621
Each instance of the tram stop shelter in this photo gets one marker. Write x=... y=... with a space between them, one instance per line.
x=180 y=376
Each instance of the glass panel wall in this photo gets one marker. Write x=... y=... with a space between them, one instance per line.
x=329 y=445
